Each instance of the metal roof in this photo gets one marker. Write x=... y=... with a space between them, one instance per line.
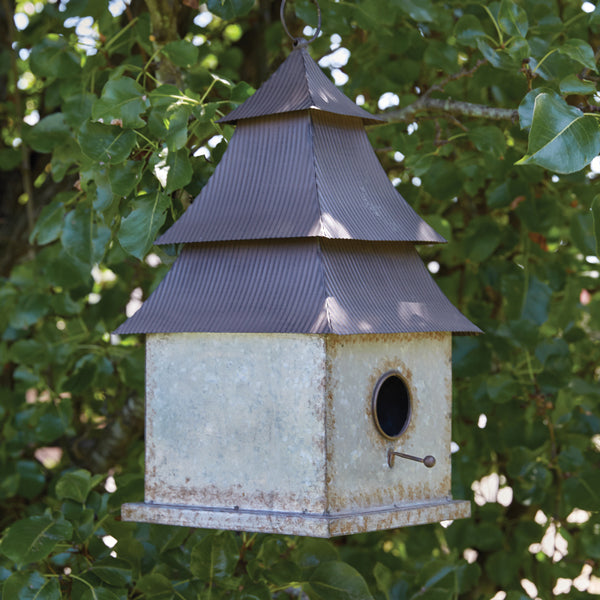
x=300 y=174
x=308 y=285
x=298 y=84
x=299 y=230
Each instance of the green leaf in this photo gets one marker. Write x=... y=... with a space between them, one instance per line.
x=32 y=478
x=106 y=143
x=215 y=557
x=122 y=99
x=180 y=171
x=518 y=49
x=77 y=108
x=99 y=593
x=166 y=95
x=240 y=93
x=230 y=9
x=419 y=10
x=469 y=357
x=582 y=232
x=336 y=580
x=503 y=568
x=489 y=139
x=49 y=224
x=513 y=19
x=311 y=552
x=155 y=586
x=29 y=311
x=113 y=571
x=140 y=227
x=580 y=51
x=83 y=238
x=30 y=540
x=384 y=579
x=440 y=55
x=52 y=57
x=502 y=388
x=596 y=216
x=468 y=30
x=573 y=85
x=482 y=237
x=48 y=133
x=528 y=104
x=181 y=52
x=124 y=177
x=561 y=138
x=76 y=485
x=24 y=585
x=537 y=301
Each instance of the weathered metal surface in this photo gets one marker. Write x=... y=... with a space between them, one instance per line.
x=289 y=523
x=298 y=286
x=298 y=84
x=275 y=432
x=358 y=474
x=302 y=174
x=236 y=420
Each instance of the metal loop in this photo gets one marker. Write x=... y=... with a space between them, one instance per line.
x=300 y=41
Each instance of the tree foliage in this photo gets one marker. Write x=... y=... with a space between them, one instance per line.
x=109 y=129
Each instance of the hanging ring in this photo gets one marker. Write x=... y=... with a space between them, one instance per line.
x=300 y=41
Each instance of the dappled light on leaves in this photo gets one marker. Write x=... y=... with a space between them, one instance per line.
x=110 y=129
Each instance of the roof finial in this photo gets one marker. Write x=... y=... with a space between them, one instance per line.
x=300 y=42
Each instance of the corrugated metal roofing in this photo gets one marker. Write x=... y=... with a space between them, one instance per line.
x=296 y=175
x=298 y=286
x=298 y=84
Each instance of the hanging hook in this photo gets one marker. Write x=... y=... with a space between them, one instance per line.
x=300 y=41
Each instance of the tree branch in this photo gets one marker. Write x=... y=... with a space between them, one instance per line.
x=455 y=108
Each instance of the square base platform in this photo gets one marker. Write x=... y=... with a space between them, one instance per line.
x=292 y=523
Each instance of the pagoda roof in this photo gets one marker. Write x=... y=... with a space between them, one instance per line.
x=299 y=84
x=300 y=174
x=309 y=285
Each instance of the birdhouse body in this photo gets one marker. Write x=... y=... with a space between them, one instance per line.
x=298 y=370
x=275 y=432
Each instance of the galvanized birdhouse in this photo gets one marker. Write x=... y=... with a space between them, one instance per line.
x=298 y=353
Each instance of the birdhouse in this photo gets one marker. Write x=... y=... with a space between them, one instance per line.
x=298 y=352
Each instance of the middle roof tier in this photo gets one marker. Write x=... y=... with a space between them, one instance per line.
x=301 y=174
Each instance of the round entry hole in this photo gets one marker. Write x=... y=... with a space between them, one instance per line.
x=391 y=406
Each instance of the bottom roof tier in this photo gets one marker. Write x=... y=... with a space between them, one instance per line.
x=298 y=286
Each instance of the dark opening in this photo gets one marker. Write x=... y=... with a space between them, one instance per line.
x=391 y=406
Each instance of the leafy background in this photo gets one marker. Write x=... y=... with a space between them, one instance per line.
x=108 y=123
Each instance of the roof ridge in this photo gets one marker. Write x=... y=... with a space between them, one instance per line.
x=289 y=90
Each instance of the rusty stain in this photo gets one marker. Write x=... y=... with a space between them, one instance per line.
x=393 y=357
x=370 y=496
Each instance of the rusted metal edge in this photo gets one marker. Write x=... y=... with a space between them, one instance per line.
x=316 y=525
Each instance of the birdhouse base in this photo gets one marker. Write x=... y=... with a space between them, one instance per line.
x=292 y=523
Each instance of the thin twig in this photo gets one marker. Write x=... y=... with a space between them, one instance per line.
x=455 y=108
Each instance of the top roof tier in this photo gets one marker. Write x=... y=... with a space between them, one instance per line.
x=299 y=84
